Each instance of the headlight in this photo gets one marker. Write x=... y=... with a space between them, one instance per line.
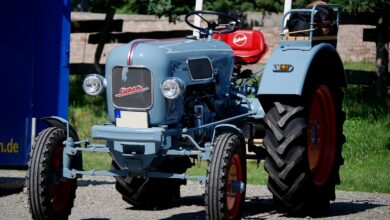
x=171 y=88
x=94 y=84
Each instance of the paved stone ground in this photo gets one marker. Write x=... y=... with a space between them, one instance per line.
x=98 y=199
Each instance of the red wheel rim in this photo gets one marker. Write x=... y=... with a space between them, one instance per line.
x=234 y=177
x=60 y=191
x=321 y=135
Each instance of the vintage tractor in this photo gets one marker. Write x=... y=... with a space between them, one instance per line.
x=174 y=101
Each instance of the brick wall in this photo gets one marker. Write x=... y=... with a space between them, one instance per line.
x=350 y=38
x=350 y=44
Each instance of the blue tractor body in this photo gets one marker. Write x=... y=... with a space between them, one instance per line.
x=204 y=65
x=170 y=101
x=302 y=60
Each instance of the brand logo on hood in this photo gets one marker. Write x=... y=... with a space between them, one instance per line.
x=131 y=90
x=240 y=39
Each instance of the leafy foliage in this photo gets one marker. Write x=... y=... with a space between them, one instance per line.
x=134 y=6
x=170 y=8
x=174 y=8
x=103 y=6
x=237 y=5
x=358 y=6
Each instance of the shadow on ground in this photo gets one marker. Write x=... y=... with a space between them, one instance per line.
x=189 y=201
x=183 y=201
x=262 y=207
x=83 y=183
x=11 y=185
x=347 y=208
x=186 y=216
x=95 y=219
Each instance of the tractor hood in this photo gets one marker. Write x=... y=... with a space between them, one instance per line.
x=193 y=61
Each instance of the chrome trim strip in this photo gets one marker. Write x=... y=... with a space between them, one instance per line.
x=133 y=46
x=33 y=130
x=198 y=50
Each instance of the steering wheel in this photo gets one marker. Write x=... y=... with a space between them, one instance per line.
x=229 y=25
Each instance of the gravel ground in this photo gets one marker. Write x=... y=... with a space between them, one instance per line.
x=98 y=199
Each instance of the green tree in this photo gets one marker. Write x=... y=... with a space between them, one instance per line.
x=170 y=8
x=100 y=6
x=174 y=8
x=134 y=6
x=242 y=6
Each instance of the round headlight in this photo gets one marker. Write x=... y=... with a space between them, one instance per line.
x=93 y=84
x=171 y=88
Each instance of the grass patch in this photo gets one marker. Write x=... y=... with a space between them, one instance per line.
x=367 y=175
x=367 y=149
x=84 y=112
x=368 y=66
x=255 y=173
x=366 y=155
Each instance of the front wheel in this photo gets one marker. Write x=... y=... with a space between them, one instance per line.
x=226 y=178
x=50 y=196
x=303 y=142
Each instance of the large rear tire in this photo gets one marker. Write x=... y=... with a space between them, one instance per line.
x=152 y=193
x=50 y=196
x=226 y=178
x=303 y=143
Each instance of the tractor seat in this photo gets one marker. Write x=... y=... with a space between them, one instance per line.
x=248 y=45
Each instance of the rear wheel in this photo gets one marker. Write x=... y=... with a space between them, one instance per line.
x=226 y=178
x=50 y=196
x=304 y=143
x=151 y=193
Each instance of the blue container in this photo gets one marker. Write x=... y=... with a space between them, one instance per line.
x=34 y=58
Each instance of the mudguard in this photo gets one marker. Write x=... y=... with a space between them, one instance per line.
x=322 y=55
x=58 y=122
x=219 y=129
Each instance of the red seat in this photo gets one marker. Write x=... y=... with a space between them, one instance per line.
x=248 y=45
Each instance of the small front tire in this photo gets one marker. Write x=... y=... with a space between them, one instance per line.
x=226 y=178
x=50 y=196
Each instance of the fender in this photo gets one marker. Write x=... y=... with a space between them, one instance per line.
x=321 y=56
x=58 y=122
x=228 y=127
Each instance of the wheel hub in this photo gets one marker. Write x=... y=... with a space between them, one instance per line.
x=321 y=135
x=60 y=188
x=235 y=186
x=314 y=134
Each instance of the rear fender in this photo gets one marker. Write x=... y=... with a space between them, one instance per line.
x=322 y=56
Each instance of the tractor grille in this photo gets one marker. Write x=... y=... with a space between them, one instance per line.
x=200 y=68
x=131 y=88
